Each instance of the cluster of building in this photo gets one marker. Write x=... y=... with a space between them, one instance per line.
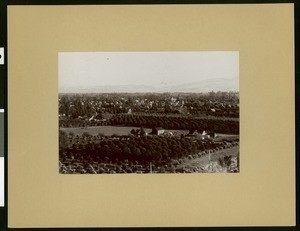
x=168 y=104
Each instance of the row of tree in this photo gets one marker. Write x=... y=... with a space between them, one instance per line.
x=177 y=123
x=142 y=149
x=70 y=122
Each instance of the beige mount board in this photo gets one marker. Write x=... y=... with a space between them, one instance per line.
x=262 y=194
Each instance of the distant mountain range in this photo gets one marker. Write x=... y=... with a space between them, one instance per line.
x=206 y=85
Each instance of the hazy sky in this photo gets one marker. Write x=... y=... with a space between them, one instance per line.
x=79 y=70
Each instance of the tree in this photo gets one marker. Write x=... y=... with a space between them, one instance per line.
x=100 y=134
x=86 y=134
x=133 y=132
x=71 y=134
x=142 y=132
x=63 y=140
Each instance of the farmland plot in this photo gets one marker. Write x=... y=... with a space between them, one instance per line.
x=112 y=130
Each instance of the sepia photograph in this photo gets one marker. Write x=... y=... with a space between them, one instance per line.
x=148 y=112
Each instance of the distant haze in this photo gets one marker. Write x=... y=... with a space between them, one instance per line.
x=104 y=72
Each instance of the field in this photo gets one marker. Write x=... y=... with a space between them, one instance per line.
x=112 y=130
x=204 y=160
x=227 y=137
x=121 y=130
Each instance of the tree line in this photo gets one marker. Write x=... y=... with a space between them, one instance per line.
x=177 y=123
x=143 y=149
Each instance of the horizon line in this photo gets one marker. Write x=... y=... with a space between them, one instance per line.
x=203 y=92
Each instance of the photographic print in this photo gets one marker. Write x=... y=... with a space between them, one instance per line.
x=148 y=112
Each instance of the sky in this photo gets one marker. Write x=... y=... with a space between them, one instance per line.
x=87 y=71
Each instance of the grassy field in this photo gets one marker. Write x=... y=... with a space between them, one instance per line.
x=122 y=130
x=112 y=130
x=228 y=137
x=204 y=160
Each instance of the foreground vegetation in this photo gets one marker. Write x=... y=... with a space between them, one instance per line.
x=130 y=154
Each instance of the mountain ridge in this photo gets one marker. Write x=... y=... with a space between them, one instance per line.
x=206 y=85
